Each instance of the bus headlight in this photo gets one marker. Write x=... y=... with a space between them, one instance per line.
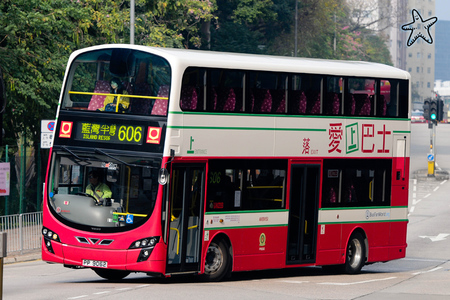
x=146 y=245
x=50 y=236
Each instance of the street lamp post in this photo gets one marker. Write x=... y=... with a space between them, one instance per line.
x=132 y=22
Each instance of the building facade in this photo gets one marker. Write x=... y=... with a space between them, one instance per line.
x=419 y=57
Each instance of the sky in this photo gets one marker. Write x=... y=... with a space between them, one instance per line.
x=443 y=10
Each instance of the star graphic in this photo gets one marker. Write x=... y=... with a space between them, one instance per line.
x=419 y=28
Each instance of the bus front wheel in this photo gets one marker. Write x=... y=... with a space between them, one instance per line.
x=355 y=254
x=111 y=274
x=217 y=261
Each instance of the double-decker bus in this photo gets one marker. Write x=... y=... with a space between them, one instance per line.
x=210 y=163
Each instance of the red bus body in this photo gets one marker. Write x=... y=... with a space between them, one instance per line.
x=201 y=191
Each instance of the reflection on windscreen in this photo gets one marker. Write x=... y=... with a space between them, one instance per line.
x=118 y=81
x=98 y=191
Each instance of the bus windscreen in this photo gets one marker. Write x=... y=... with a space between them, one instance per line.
x=118 y=81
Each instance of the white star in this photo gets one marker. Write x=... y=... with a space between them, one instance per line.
x=419 y=29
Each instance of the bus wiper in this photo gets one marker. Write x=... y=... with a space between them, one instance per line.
x=74 y=155
x=96 y=150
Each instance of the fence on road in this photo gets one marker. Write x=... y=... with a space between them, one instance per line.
x=23 y=231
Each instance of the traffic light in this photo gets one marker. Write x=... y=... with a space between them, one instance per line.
x=426 y=109
x=440 y=110
x=433 y=109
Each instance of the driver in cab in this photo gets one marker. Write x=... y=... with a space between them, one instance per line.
x=97 y=189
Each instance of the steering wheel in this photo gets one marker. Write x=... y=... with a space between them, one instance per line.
x=88 y=195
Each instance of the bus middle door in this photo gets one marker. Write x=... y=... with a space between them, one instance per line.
x=303 y=212
x=187 y=185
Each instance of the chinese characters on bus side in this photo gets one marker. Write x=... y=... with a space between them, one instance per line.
x=335 y=133
x=370 y=138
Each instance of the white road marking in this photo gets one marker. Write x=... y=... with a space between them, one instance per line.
x=438 y=238
x=101 y=293
x=293 y=281
x=357 y=282
x=432 y=270
x=424 y=259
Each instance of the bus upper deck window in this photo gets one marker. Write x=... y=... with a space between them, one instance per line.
x=122 y=63
x=144 y=79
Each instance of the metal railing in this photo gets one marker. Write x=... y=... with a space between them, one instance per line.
x=23 y=231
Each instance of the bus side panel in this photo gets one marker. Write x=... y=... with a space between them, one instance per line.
x=330 y=257
x=256 y=248
x=398 y=240
x=399 y=194
x=329 y=236
x=329 y=250
x=382 y=247
x=378 y=240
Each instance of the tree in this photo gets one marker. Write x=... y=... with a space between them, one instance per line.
x=175 y=24
x=242 y=26
x=333 y=29
x=37 y=37
x=376 y=15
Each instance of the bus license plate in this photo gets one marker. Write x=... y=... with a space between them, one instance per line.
x=95 y=263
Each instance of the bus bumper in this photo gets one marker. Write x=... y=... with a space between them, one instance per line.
x=116 y=259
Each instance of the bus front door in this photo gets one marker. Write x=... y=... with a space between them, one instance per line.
x=187 y=185
x=303 y=213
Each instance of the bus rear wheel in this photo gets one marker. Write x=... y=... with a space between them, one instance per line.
x=217 y=261
x=111 y=274
x=355 y=254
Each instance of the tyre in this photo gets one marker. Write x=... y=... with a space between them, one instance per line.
x=217 y=261
x=355 y=254
x=111 y=274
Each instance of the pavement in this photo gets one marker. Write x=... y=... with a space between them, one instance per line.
x=15 y=257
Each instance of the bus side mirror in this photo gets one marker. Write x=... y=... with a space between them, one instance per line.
x=163 y=176
x=112 y=175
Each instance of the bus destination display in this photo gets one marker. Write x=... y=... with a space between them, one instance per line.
x=109 y=133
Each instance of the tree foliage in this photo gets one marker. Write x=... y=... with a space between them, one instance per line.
x=326 y=29
x=37 y=37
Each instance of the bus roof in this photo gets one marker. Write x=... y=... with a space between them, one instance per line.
x=212 y=59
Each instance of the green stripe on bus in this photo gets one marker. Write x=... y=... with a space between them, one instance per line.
x=282 y=115
x=362 y=207
x=359 y=222
x=246 y=227
x=246 y=128
x=245 y=212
